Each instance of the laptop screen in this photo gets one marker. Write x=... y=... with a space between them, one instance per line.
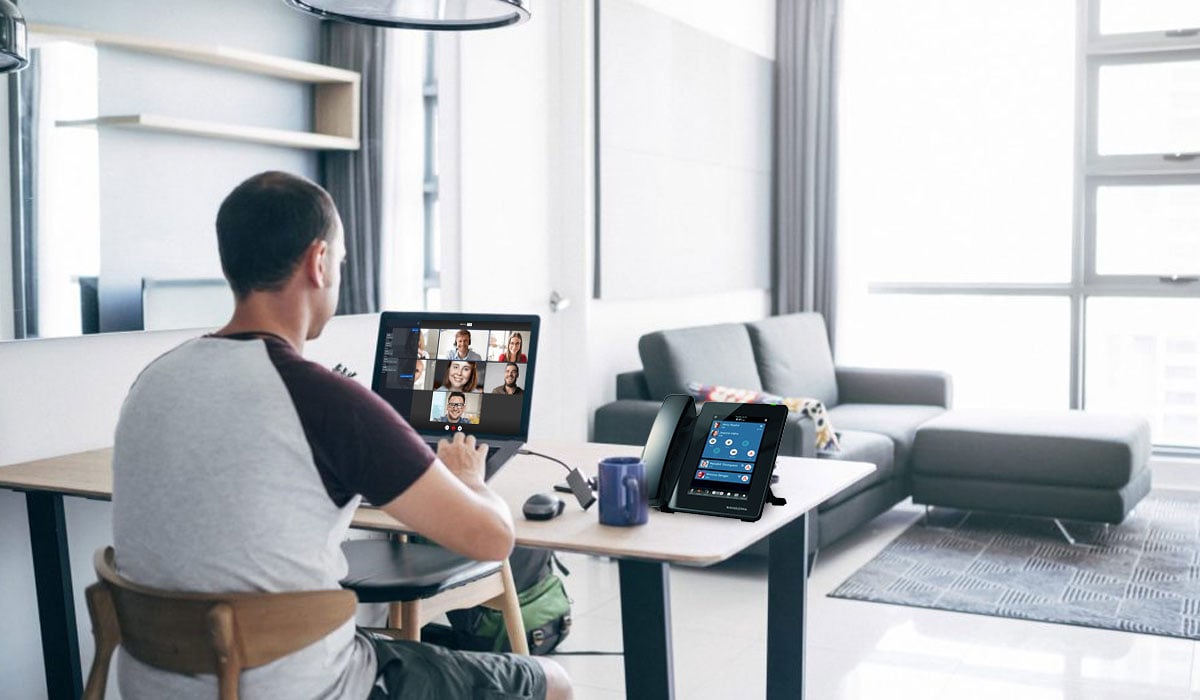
x=470 y=373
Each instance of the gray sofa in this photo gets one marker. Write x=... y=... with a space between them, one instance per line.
x=876 y=412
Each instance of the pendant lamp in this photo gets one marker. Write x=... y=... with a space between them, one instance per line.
x=14 y=53
x=438 y=15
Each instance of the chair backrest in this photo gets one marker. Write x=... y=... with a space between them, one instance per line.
x=202 y=633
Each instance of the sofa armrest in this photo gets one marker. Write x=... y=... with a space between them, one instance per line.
x=625 y=422
x=632 y=385
x=799 y=437
x=893 y=386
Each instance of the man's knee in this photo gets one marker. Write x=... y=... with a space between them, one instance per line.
x=558 y=683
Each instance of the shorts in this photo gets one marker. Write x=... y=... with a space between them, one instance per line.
x=415 y=671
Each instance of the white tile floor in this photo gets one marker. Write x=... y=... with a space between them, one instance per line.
x=867 y=650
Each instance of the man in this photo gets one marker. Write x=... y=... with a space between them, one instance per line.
x=511 y=373
x=462 y=348
x=456 y=401
x=238 y=466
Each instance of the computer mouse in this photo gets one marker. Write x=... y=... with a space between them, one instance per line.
x=542 y=506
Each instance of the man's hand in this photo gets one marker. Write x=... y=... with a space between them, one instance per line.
x=464 y=458
x=451 y=505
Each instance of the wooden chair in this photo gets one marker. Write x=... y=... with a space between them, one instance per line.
x=422 y=581
x=197 y=633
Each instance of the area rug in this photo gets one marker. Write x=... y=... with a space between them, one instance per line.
x=1140 y=576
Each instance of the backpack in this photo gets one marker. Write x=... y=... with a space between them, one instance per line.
x=545 y=608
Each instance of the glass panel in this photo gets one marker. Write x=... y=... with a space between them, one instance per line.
x=1148 y=230
x=956 y=170
x=1142 y=357
x=1011 y=352
x=1129 y=16
x=1149 y=108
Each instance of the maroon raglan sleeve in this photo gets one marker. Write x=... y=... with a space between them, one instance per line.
x=359 y=443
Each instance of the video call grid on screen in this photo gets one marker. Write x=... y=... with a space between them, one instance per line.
x=450 y=373
x=728 y=459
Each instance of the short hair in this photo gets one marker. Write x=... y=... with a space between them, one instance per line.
x=461 y=332
x=266 y=224
x=514 y=364
x=459 y=394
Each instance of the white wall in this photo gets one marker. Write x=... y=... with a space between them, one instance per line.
x=615 y=326
x=63 y=396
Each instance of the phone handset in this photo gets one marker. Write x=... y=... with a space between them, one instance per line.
x=666 y=447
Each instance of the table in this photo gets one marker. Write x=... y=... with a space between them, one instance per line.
x=644 y=554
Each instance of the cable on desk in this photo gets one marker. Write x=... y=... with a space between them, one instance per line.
x=539 y=454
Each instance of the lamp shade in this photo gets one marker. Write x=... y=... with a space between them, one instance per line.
x=14 y=53
x=443 y=15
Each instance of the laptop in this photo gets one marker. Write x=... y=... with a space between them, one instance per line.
x=460 y=373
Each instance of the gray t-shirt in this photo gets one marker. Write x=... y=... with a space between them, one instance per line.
x=237 y=467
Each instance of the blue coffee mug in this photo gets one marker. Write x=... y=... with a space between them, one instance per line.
x=622 y=489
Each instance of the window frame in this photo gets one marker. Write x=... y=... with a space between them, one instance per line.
x=1092 y=171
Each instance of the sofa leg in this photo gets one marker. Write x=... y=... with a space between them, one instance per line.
x=1063 y=530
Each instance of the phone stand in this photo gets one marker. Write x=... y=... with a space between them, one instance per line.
x=773 y=499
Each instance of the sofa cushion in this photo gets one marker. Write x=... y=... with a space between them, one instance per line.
x=898 y=422
x=1060 y=448
x=793 y=356
x=719 y=354
x=858 y=446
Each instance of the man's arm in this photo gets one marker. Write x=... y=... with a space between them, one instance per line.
x=451 y=505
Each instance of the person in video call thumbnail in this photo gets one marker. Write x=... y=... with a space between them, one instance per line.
x=460 y=376
x=462 y=348
x=456 y=403
x=514 y=353
x=511 y=373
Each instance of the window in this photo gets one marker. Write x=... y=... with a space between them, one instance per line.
x=1019 y=201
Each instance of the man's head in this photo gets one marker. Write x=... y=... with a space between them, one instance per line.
x=462 y=342
x=276 y=228
x=511 y=372
x=456 y=402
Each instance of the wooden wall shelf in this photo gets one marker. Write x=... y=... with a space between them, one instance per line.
x=336 y=93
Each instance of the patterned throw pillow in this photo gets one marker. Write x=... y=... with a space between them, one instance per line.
x=814 y=409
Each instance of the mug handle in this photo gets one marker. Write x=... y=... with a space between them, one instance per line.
x=630 y=496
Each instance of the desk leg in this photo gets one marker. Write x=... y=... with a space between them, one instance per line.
x=56 y=602
x=787 y=587
x=646 y=630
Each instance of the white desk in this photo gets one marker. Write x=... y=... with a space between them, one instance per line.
x=644 y=554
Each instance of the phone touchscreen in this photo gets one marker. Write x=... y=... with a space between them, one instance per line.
x=729 y=466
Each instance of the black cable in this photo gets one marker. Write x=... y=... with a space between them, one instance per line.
x=539 y=454
x=579 y=485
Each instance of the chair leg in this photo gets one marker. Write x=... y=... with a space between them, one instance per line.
x=107 y=635
x=410 y=620
x=229 y=662
x=510 y=607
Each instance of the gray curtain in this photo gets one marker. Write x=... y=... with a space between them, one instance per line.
x=805 y=234
x=355 y=178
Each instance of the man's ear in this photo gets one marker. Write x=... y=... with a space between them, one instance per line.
x=314 y=263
